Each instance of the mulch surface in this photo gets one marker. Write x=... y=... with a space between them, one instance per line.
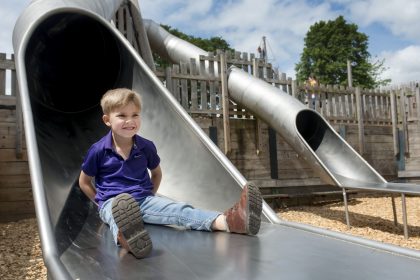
x=371 y=217
x=20 y=251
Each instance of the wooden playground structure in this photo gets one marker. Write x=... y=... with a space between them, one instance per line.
x=382 y=125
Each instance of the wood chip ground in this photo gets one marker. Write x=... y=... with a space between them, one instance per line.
x=371 y=217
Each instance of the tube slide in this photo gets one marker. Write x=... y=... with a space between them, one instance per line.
x=67 y=55
x=305 y=130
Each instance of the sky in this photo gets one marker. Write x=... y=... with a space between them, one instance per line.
x=392 y=27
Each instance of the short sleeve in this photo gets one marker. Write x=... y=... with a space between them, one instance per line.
x=90 y=162
x=153 y=159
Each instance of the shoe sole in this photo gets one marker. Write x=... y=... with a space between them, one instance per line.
x=126 y=213
x=254 y=209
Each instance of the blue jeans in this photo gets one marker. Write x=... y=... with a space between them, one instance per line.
x=163 y=211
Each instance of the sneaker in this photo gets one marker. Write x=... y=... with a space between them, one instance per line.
x=245 y=216
x=132 y=235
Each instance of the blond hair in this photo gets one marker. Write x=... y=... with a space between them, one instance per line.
x=115 y=98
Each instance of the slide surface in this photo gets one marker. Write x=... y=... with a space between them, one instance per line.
x=67 y=56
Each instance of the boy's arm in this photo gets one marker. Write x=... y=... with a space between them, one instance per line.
x=85 y=183
x=156 y=178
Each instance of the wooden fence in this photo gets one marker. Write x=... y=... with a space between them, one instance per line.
x=198 y=86
x=199 y=92
x=371 y=121
x=409 y=134
x=15 y=189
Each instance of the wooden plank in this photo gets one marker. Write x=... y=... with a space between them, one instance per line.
x=296 y=174
x=19 y=117
x=16 y=181
x=17 y=207
x=128 y=24
x=168 y=79
x=418 y=105
x=184 y=87
x=376 y=139
x=212 y=84
x=7 y=111
x=404 y=120
x=194 y=93
x=120 y=20
x=282 y=183
x=13 y=217
x=409 y=174
x=175 y=83
x=203 y=87
x=258 y=128
x=9 y=142
x=360 y=110
x=10 y=155
x=6 y=64
x=2 y=76
x=225 y=105
x=12 y=194
x=7 y=128
x=14 y=168
x=414 y=163
x=8 y=100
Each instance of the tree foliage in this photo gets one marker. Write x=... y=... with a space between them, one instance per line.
x=328 y=46
x=210 y=45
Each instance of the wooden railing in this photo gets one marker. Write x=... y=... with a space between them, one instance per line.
x=342 y=104
x=198 y=88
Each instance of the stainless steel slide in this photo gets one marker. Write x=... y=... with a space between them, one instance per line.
x=311 y=136
x=67 y=55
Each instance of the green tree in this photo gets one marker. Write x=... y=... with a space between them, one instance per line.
x=210 y=45
x=328 y=46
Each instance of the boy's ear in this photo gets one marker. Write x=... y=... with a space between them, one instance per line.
x=105 y=118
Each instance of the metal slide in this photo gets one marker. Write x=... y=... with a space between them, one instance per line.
x=310 y=135
x=67 y=55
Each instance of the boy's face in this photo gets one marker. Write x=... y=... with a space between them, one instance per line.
x=124 y=121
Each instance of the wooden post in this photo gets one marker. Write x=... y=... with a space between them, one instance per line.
x=203 y=84
x=394 y=123
x=2 y=75
x=184 y=86
x=360 y=121
x=175 y=83
x=418 y=105
x=225 y=102
x=349 y=74
x=258 y=129
x=295 y=89
x=404 y=120
x=212 y=83
x=120 y=19
x=168 y=77
x=19 y=116
x=193 y=72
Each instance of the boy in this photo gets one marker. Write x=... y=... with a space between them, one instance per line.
x=125 y=193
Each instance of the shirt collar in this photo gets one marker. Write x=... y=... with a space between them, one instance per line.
x=138 y=142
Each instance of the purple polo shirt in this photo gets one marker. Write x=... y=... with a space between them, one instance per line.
x=114 y=175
